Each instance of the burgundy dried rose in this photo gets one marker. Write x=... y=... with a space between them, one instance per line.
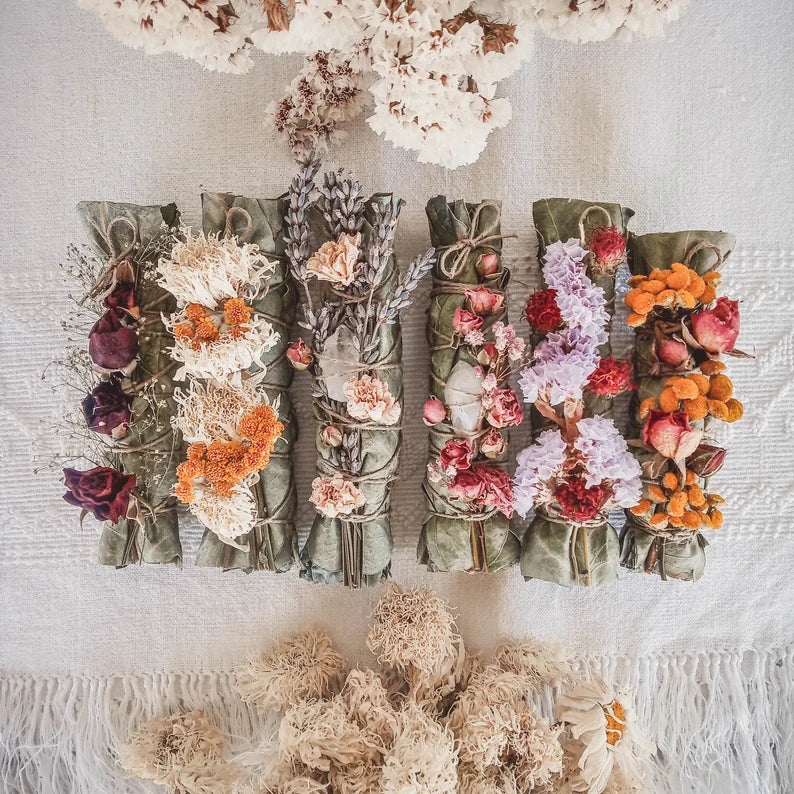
x=107 y=410
x=542 y=311
x=671 y=434
x=706 y=460
x=717 y=329
x=123 y=297
x=434 y=411
x=463 y=321
x=456 y=455
x=112 y=345
x=488 y=264
x=672 y=352
x=102 y=491
x=299 y=355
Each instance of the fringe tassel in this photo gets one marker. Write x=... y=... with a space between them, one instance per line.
x=723 y=721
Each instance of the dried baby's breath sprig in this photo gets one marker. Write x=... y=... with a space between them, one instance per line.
x=302 y=667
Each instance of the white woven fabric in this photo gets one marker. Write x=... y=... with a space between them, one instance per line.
x=691 y=131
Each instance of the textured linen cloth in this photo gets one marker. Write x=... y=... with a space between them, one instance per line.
x=691 y=131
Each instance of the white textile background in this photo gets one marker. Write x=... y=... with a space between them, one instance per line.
x=692 y=131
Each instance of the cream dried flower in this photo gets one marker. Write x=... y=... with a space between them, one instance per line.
x=209 y=269
x=369 y=400
x=335 y=496
x=603 y=725
x=414 y=633
x=212 y=412
x=227 y=516
x=540 y=664
x=183 y=752
x=302 y=667
x=337 y=261
x=234 y=351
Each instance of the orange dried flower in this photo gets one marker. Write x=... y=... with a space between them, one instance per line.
x=696 y=286
x=195 y=312
x=690 y=477
x=635 y=280
x=701 y=381
x=183 y=332
x=670 y=481
x=686 y=298
x=634 y=319
x=643 y=506
x=691 y=519
x=654 y=286
x=735 y=409
x=695 y=496
x=656 y=494
x=709 y=294
x=235 y=311
x=678 y=280
x=668 y=401
x=666 y=297
x=677 y=504
x=715 y=517
x=646 y=406
x=711 y=367
x=675 y=521
x=718 y=410
x=184 y=492
x=659 y=520
x=239 y=331
x=206 y=330
x=721 y=387
x=697 y=408
x=683 y=388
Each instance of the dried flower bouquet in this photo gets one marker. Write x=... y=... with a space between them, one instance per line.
x=224 y=339
x=682 y=331
x=473 y=352
x=127 y=414
x=354 y=354
x=431 y=718
x=578 y=467
x=272 y=543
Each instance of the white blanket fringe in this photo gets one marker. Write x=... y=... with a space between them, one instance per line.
x=723 y=722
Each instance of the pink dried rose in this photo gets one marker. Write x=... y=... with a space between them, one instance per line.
x=493 y=444
x=467 y=485
x=337 y=260
x=497 y=488
x=332 y=436
x=463 y=322
x=672 y=351
x=434 y=412
x=505 y=410
x=369 y=400
x=671 y=434
x=484 y=301
x=335 y=496
x=113 y=346
x=488 y=264
x=717 y=329
x=456 y=455
x=299 y=355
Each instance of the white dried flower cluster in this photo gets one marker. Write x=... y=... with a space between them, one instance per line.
x=208 y=269
x=432 y=66
x=228 y=517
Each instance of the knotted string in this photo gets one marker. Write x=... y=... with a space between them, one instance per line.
x=106 y=280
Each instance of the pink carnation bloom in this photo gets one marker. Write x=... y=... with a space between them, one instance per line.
x=335 y=496
x=369 y=400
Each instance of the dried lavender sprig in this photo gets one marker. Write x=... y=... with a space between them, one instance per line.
x=342 y=205
x=296 y=223
x=417 y=270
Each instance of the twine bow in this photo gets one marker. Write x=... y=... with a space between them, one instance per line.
x=106 y=280
x=460 y=250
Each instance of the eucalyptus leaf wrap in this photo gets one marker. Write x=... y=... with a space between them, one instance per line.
x=151 y=448
x=672 y=553
x=272 y=545
x=356 y=549
x=451 y=538
x=554 y=548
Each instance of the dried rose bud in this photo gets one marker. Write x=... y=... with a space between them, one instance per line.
x=123 y=297
x=299 y=355
x=488 y=264
x=672 y=352
x=107 y=409
x=706 y=460
x=112 y=346
x=434 y=412
x=493 y=444
x=332 y=436
x=487 y=354
x=671 y=434
x=717 y=329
